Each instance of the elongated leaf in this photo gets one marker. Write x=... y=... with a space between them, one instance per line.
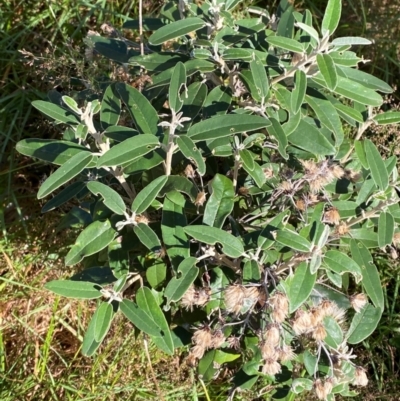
x=231 y=246
x=181 y=184
x=220 y=203
x=298 y=93
x=110 y=108
x=114 y=49
x=365 y=79
x=206 y=367
x=142 y=112
x=257 y=174
x=363 y=324
x=331 y=17
x=159 y=61
x=251 y=272
x=266 y=237
x=176 y=29
x=346 y=111
x=385 y=229
x=300 y=286
x=260 y=78
x=64 y=196
x=390 y=117
x=89 y=344
x=334 y=332
x=376 y=165
x=371 y=280
x=156 y=274
x=218 y=101
x=55 y=112
x=178 y=80
x=91 y=240
x=247 y=159
x=341 y=263
x=111 y=198
x=237 y=54
x=65 y=173
x=309 y=138
x=191 y=152
x=129 y=150
x=293 y=240
x=147 y=195
x=327 y=115
x=193 y=102
x=102 y=321
x=148 y=303
x=309 y=30
x=328 y=70
x=50 y=150
x=140 y=318
x=220 y=126
x=172 y=228
x=350 y=40
x=177 y=287
x=147 y=237
x=74 y=289
x=354 y=91
x=286 y=44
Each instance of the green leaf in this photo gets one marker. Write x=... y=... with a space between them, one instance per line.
x=385 y=229
x=65 y=173
x=178 y=80
x=220 y=203
x=191 y=152
x=147 y=195
x=326 y=114
x=64 y=196
x=148 y=303
x=141 y=110
x=341 y=263
x=129 y=150
x=257 y=174
x=176 y=29
x=159 y=61
x=247 y=159
x=354 y=91
x=277 y=131
x=334 y=332
x=114 y=49
x=371 y=280
x=309 y=30
x=112 y=199
x=140 y=318
x=206 y=366
x=300 y=286
x=55 y=112
x=220 y=278
x=218 y=101
x=102 y=321
x=74 y=289
x=350 y=41
x=156 y=274
x=91 y=240
x=293 y=240
x=328 y=70
x=89 y=344
x=193 y=102
x=348 y=112
x=366 y=236
x=231 y=246
x=286 y=44
x=251 y=272
x=299 y=91
x=149 y=24
x=363 y=324
x=311 y=139
x=376 y=165
x=110 y=108
x=147 y=237
x=181 y=184
x=266 y=237
x=301 y=384
x=331 y=17
x=365 y=79
x=186 y=274
x=237 y=54
x=172 y=228
x=260 y=78
x=389 y=117
x=226 y=125
x=50 y=150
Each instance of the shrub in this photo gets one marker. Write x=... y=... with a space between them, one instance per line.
x=222 y=200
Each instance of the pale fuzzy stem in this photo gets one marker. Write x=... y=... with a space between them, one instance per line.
x=141 y=27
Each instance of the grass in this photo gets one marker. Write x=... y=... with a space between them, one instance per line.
x=40 y=334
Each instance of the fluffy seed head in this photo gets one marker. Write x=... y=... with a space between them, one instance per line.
x=358 y=301
x=302 y=322
x=200 y=199
x=196 y=352
x=332 y=216
x=268 y=351
x=272 y=335
x=323 y=388
x=319 y=333
x=280 y=306
x=195 y=296
x=203 y=338
x=268 y=173
x=271 y=367
x=361 y=378
x=342 y=229
x=218 y=339
x=238 y=296
x=243 y=191
x=189 y=171
x=286 y=353
x=396 y=239
x=141 y=219
x=337 y=171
